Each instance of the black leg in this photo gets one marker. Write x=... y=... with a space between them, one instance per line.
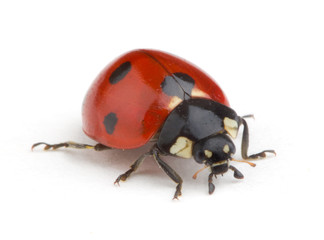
x=237 y=173
x=133 y=168
x=211 y=186
x=170 y=172
x=245 y=145
x=97 y=147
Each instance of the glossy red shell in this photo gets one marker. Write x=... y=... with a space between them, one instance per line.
x=137 y=101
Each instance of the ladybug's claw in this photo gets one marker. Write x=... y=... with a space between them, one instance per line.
x=122 y=177
x=117 y=182
x=178 y=192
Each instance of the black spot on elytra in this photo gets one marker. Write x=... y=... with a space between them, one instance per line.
x=120 y=72
x=179 y=84
x=110 y=122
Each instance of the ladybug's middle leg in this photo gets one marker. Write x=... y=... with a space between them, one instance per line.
x=97 y=147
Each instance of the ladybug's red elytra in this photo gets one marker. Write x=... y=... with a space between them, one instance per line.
x=149 y=95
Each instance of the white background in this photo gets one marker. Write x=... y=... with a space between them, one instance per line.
x=268 y=56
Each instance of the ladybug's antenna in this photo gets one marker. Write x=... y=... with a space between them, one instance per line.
x=232 y=159
x=251 y=164
x=200 y=170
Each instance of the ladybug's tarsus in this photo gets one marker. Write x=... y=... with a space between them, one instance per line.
x=260 y=155
x=48 y=146
x=97 y=147
x=211 y=186
x=237 y=173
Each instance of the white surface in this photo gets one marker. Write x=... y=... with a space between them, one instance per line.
x=266 y=55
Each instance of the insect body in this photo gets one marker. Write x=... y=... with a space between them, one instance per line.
x=148 y=94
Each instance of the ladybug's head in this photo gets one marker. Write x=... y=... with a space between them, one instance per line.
x=215 y=152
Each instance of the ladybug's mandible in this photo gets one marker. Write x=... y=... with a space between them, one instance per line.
x=148 y=95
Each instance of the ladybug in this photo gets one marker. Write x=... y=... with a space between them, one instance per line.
x=149 y=95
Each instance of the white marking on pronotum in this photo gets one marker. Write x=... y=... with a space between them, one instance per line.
x=208 y=153
x=182 y=147
x=231 y=126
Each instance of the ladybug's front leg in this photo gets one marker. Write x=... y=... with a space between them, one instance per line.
x=245 y=145
x=97 y=147
x=169 y=171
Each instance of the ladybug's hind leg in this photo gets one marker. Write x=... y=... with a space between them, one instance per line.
x=97 y=147
x=245 y=144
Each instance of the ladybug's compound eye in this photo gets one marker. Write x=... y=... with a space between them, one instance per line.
x=199 y=156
